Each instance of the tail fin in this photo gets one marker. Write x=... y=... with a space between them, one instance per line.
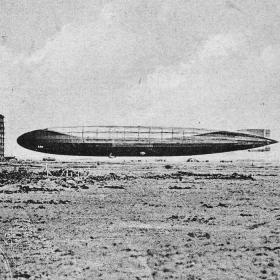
x=258 y=132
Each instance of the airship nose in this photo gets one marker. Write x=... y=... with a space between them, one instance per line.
x=26 y=140
x=20 y=140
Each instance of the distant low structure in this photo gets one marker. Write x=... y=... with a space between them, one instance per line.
x=260 y=150
x=2 y=136
x=48 y=159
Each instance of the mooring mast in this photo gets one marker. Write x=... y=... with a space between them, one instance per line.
x=2 y=136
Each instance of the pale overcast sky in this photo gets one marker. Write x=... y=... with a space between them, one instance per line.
x=210 y=64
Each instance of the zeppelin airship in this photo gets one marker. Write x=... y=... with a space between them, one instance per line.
x=116 y=141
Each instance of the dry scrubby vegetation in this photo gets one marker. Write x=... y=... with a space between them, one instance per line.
x=140 y=220
x=24 y=176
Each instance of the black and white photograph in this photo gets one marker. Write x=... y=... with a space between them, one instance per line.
x=139 y=139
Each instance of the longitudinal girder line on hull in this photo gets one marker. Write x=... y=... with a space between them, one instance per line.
x=128 y=133
x=137 y=141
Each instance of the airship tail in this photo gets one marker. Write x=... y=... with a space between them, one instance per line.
x=262 y=132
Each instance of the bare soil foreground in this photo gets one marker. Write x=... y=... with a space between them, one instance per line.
x=140 y=220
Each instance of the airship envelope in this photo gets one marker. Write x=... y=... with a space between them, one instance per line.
x=138 y=141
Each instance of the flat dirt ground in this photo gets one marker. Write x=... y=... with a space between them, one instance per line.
x=140 y=220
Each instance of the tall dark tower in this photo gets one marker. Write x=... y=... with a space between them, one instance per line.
x=1 y=136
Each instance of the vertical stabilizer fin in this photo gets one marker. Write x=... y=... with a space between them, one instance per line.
x=258 y=132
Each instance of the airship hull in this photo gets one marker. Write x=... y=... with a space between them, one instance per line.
x=139 y=141
x=145 y=150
